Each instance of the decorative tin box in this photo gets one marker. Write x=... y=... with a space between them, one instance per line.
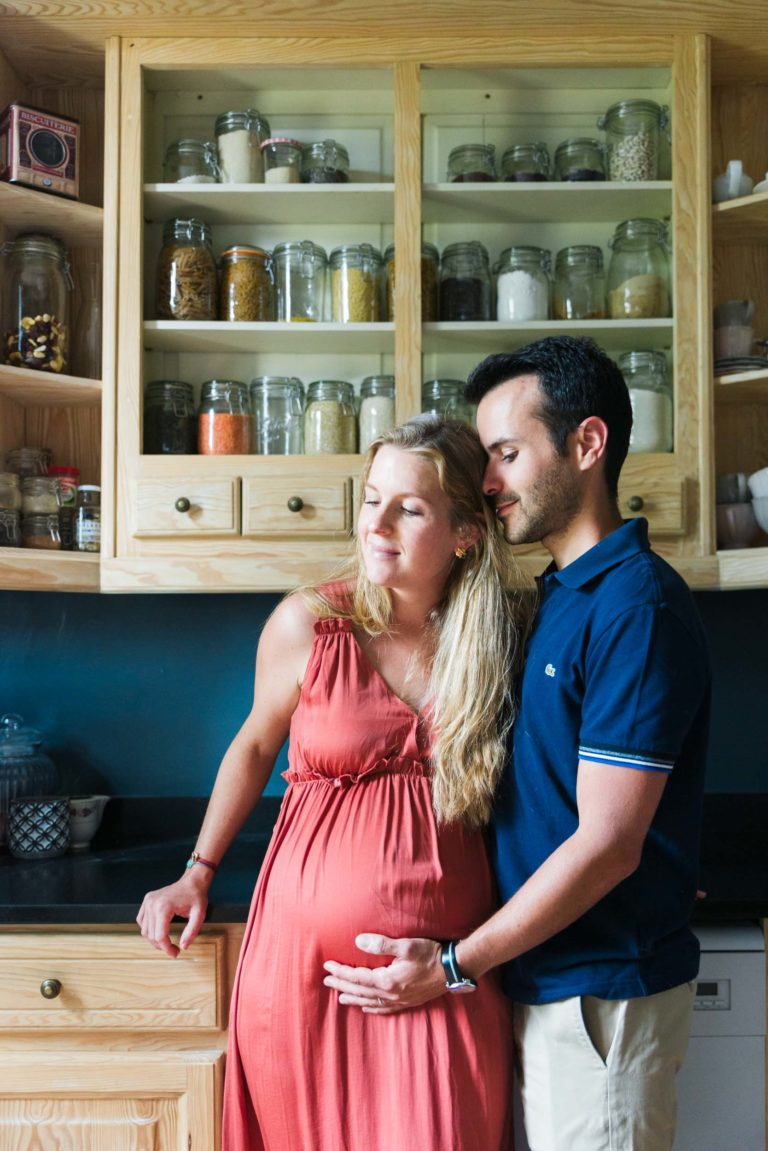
x=40 y=149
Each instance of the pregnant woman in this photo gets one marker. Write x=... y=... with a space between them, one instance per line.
x=393 y=685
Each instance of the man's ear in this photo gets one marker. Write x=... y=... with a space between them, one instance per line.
x=591 y=441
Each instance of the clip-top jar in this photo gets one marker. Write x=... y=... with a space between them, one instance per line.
x=326 y=162
x=277 y=403
x=239 y=136
x=632 y=138
x=330 y=424
x=282 y=160
x=523 y=284
x=525 y=163
x=300 y=272
x=224 y=419
x=377 y=408
x=579 y=283
x=430 y=277
x=465 y=283
x=246 y=291
x=170 y=420
x=190 y=162
x=472 y=163
x=638 y=274
x=445 y=397
x=186 y=272
x=579 y=160
x=650 y=393
x=355 y=284
x=35 y=315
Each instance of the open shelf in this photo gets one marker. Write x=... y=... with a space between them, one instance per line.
x=47 y=389
x=35 y=569
x=298 y=338
x=25 y=209
x=544 y=203
x=742 y=221
x=270 y=204
x=616 y=335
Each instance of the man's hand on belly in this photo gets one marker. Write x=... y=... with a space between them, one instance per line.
x=414 y=976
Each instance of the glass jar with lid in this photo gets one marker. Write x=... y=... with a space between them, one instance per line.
x=68 y=478
x=579 y=159
x=239 y=136
x=523 y=284
x=186 y=272
x=430 y=282
x=277 y=403
x=28 y=461
x=465 y=282
x=579 y=283
x=41 y=531
x=326 y=162
x=300 y=272
x=88 y=518
x=472 y=163
x=191 y=162
x=25 y=769
x=651 y=396
x=330 y=424
x=10 y=528
x=224 y=419
x=246 y=291
x=35 y=313
x=170 y=419
x=10 y=492
x=40 y=495
x=526 y=163
x=632 y=129
x=638 y=272
x=355 y=284
x=377 y=408
x=282 y=160
x=445 y=397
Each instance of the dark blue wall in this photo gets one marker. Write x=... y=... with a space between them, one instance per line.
x=140 y=695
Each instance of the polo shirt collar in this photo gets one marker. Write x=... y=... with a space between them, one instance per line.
x=626 y=541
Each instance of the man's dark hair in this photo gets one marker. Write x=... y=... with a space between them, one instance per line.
x=577 y=379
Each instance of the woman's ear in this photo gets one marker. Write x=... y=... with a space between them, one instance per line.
x=469 y=534
x=591 y=441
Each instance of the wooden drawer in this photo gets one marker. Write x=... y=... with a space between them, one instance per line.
x=109 y=981
x=212 y=507
x=323 y=506
x=651 y=487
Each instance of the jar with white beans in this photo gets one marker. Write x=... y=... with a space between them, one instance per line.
x=632 y=132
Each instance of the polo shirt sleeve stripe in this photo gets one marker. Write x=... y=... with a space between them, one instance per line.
x=626 y=759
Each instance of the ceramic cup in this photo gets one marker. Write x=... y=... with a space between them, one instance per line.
x=38 y=827
x=85 y=812
x=758 y=483
x=732 y=488
x=736 y=525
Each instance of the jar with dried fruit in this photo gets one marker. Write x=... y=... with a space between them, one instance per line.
x=224 y=419
x=186 y=272
x=37 y=284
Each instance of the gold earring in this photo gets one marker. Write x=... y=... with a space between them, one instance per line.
x=460 y=553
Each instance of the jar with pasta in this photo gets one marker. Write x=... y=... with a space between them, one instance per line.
x=638 y=273
x=355 y=284
x=246 y=291
x=224 y=419
x=186 y=272
x=330 y=424
x=430 y=282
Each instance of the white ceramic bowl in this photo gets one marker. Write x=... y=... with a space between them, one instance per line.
x=85 y=812
x=758 y=483
x=736 y=525
x=760 y=508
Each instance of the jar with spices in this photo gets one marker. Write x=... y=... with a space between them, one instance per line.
x=430 y=276
x=28 y=461
x=638 y=273
x=579 y=283
x=355 y=284
x=10 y=528
x=239 y=136
x=330 y=425
x=67 y=478
x=39 y=496
x=377 y=408
x=41 y=531
x=325 y=163
x=282 y=160
x=191 y=162
x=446 y=398
x=186 y=272
x=10 y=492
x=632 y=138
x=88 y=518
x=246 y=291
x=35 y=315
x=580 y=159
x=472 y=163
x=224 y=419
x=277 y=403
x=300 y=271
x=465 y=283
x=526 y=163
x=523 y=284
x=170 y=419
x=651 y=397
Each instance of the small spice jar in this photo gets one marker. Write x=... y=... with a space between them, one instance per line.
x=277 y=403
x=10 y=528
x=472 y=163
x=330 y=425
x=41 y=531
x=88 y=518
x=224 y=419
x=186 y=272
x=430 y=282
x=282 y=160
x=190 y=162
x=239 y=136
x=377 y=408
x=67 y=479
x=579 y=283
x=299 y=268
x=638 y=272
x=246 y=291
x=632 y=138
x=35 y=312
x=28 y=461
x=326 y=162
x=651 y=397
x=523 y=284
x=465 y=283
x=579 y=160
x=170 y=419
x=10 y=492
x=446 y=398
x=39 y=496
x=355 y=284
x=525 y=163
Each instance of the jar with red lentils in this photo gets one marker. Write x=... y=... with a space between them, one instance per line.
x=224 y=419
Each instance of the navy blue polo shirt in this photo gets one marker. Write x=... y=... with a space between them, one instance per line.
x=616 y=672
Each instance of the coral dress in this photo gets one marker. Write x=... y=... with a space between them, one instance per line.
x=356 y=848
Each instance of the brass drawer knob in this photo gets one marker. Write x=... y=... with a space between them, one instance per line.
x=635 y=503
x=295 y=504
x=182 y=504
x=50 y=988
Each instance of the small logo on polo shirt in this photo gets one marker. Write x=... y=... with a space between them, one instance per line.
x=550 y=670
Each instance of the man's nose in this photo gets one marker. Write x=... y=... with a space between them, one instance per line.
x=491 y=484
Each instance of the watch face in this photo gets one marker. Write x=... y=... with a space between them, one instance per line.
x=463 y=987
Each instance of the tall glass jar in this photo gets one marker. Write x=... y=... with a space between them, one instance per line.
x=377 y=408
x=632 y=138
x=651 y=396
x=88 y=518
x=224 y=419
x=579 y=283
x=35 y=315
x=465 y=283
x=186 y=272
x=526 y=163
x=523 y=284
x=474 y=163
x=580 y=159
x=326 y=162
x=446 y=398
x=330 y=425
x=277 y=403
x=191 y=162
x=170 y=420
x=282 y=160
x=430 y=282
x=355 y=284
x=246 y=291
x=300 y=272
x=239 y=136
x=638 y=272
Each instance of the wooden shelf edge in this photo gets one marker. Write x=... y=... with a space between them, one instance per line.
x=743 y=568
x=47 y=389
x=77 y=224
x=38 y=570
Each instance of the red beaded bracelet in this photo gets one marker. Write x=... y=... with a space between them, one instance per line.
x=196 y=857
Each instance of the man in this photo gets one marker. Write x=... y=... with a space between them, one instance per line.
x=597 y=821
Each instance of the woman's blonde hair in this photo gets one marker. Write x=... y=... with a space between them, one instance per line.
x=476 y=628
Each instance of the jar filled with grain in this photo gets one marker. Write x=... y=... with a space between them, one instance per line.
x=191 y=162
x=526 y=163
x=224 y=419
x=430 y=282
x=246 y=291
x=186 y=272
x=465 y=283
x=579 y=160
x=88 y=518
x=41 y=531
x=10 y=528
x=326 y=162
x=638 y=272
x=632 y=129
x=472 y=163
x=523 y=284
x=40 y=496
x=239 y=136
x=35 y=312
x=170 y=419
x=650 y=394
x=300 y=268
x=445 y=397
x=28 y=461
x=277 y=403
x=355 y=284
x=282 y=160
x=579 y=283
x=377 y=408
x=330 y=424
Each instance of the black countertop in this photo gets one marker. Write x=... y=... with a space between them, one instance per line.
x=144 y=843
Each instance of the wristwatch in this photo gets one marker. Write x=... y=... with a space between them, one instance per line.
x=455 y=980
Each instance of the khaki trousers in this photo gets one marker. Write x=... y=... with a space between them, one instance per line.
x=599 y=1074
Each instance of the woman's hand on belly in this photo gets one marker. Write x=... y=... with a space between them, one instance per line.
x=414 y=977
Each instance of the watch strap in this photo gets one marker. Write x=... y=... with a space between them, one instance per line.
x=455 y=979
